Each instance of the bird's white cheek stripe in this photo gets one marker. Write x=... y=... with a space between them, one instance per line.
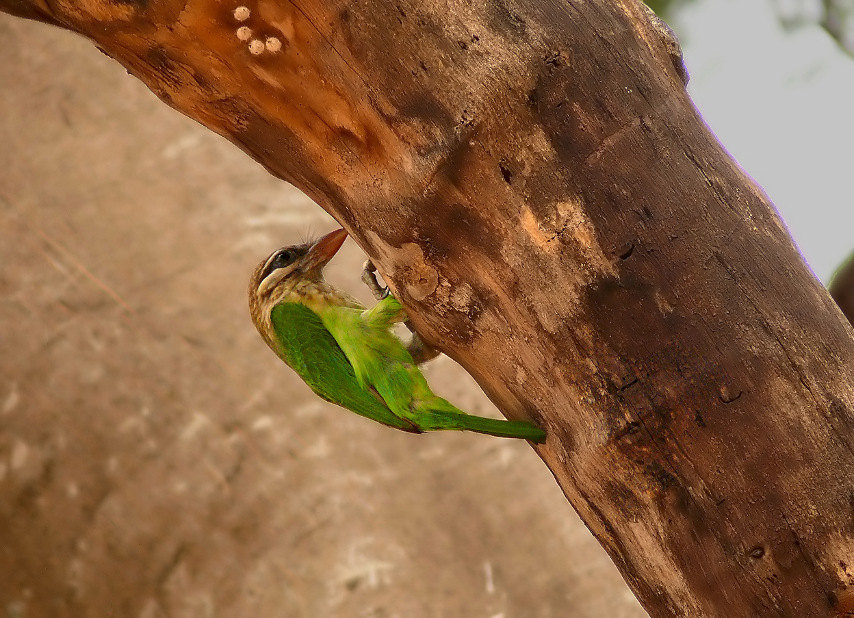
x=273 y=279
x=265 y=284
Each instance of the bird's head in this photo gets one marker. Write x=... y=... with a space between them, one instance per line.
x=290 y=273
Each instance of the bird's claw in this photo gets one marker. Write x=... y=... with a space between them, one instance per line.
x=369 y=278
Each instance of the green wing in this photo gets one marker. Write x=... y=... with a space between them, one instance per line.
x=309 y=348
x=381 y=362
x=379 y=359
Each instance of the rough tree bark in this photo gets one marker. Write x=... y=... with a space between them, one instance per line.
x=539 y=191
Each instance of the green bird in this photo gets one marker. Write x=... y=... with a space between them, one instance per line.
x=347 y=354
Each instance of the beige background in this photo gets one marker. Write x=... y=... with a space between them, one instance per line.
x=157 y=460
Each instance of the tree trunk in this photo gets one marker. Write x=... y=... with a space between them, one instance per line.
x=535 y=185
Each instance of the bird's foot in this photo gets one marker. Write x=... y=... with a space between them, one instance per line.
x=369 y=278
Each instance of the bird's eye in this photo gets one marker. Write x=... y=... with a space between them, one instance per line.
x=285 y=258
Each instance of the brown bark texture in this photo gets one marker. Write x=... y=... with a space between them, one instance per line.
x=534 y=183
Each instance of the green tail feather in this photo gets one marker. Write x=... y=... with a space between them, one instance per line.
x=443 y=418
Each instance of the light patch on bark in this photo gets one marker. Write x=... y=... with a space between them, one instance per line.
x=643 y=14
x=567 y=231
x=577 y=226
x=552 y=318
x=461 y=297
x=420 y=279
x=475 y=85
x=663 y=306
x=538 y=149
x=532 y=227
x=270 y=78
x=662 y=566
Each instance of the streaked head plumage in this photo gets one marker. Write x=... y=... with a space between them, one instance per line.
x=288 y=273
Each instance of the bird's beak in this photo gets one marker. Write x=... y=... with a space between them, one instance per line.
x=324 y=249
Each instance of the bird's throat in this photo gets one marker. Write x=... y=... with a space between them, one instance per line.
x=319 y=295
